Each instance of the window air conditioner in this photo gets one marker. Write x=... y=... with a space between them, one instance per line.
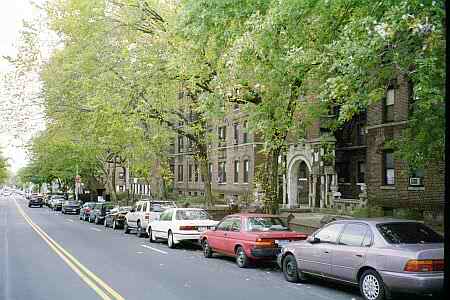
x=415 y=181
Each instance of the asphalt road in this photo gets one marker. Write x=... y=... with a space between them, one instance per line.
x=95 y=262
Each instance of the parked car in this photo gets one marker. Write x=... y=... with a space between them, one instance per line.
x=99 y=212
x=143 y=212
x=378 y=255
x=116 y=217
x=86 y=209
x=57 y=202
x=70 y=206
x=36 y=201
x=248 y=237
x=180 y=224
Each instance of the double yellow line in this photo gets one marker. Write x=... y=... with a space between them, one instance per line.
x=99 y=286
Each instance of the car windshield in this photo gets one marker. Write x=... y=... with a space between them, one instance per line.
x=191 y=214
x=265 y=224
x=408 y=233
x=124 y=208
x=70 y=203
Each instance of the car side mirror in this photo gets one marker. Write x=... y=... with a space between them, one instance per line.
x=132 y=210
x=313 y=240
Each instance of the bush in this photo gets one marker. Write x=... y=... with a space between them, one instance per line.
x=408 y=213
x=367 y=212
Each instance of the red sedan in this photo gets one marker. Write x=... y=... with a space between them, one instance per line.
x=248 y=237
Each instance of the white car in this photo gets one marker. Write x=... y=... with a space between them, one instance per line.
x=144 y=212
x=180 y=224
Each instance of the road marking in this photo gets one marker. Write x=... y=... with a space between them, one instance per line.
x=70 y=220
x=154 y=249
x=96 y=229
x=87 y=276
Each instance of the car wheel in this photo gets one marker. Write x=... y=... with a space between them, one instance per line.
x=242 y=259
x=139 y=230
x=126 y=230
x=114 y=225
x=290 y=269
x=81 y=218
x=371 y=286
x=207 y=251
x=151 y=238
x=170 y=241
x=29 y=205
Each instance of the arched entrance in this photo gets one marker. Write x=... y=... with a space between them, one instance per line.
x=299 y=182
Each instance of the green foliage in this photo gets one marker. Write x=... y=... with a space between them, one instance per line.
x=4 y=174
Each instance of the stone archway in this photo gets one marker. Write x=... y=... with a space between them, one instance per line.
x=299 y=182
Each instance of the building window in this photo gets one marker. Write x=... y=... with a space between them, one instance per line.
x=388 y=168
x=236 y=171
x=180 y=144
x=389 y=102
x=121 y=175
x=361 y=171
x=222 y=173
x=222 y=133
x=245 y=133
x=180 y=172
x=120 y=188
x=222 y=153
x=172 y=169
x=196 y=173
x=190 y=172
x=246 y=170
x=236 y=133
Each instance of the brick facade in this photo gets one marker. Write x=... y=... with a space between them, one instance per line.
x=429 y=196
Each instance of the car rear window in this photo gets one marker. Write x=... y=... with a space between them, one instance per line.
x=266 y=224
x=191 y=214
x=408 y=233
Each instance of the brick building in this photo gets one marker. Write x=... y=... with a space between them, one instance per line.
x=354 y=166
x=232 y=157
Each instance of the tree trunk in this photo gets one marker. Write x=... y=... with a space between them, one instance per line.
x=269 y=182
x=113 y=181
x=203 y=160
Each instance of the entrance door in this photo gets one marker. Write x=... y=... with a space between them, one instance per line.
x=303 y=184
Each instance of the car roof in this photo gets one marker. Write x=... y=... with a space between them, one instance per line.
x=246 y=215
x=375 y=221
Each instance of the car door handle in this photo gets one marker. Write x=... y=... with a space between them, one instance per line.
x=359 y=255
x=326 y=252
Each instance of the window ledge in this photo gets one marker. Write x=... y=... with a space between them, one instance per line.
x=221 y=183
x=387 y=187
x=416 y=188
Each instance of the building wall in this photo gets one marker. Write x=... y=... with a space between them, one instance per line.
x=426 y=198
x=227 y=151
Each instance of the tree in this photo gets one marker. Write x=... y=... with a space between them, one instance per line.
x=4 y=174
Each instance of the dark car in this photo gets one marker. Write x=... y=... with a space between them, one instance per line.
x=86 y=209
x=70 y=206
x=36 y=201
x=381 y=256
x=99 y=212
x=116 y=217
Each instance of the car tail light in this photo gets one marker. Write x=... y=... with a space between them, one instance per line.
x=424 y=265
x=88 y=209
x=265 y=243
x=147 y=216
x=188 y=227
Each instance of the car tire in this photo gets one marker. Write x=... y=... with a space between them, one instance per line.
x=207 y=251
x=242 y=259
x=126 y=229
x=290 y=269
x=371 y=286
x=114 y=226
x=170 y=242
x=139 y=230
x=29 y=205
x=151 y=238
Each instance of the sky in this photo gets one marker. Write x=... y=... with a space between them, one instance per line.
x=18 y=121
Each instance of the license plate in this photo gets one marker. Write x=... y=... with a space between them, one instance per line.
x=281 y=243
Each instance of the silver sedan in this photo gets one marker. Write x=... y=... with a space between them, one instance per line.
x=379 y=255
